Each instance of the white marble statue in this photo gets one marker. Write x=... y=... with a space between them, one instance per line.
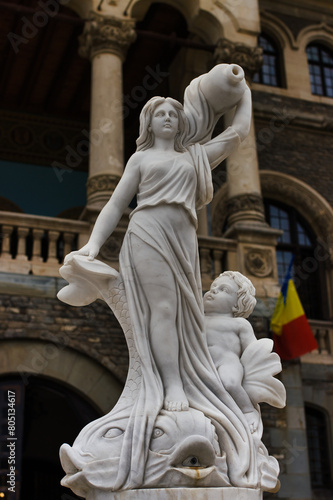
x=176 y=424
x=229 y=301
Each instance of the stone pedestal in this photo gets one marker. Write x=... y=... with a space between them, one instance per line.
x=180 y=494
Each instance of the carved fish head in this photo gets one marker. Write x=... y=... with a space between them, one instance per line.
x=184 y=451
x=94 y=454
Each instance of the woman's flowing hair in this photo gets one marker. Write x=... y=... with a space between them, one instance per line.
x=146 y=137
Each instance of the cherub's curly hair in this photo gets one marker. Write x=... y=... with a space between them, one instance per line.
x=146 y=137
x=246 y=294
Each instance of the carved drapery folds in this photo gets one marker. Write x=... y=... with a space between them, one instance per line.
x=106 y=34
x=249 y=58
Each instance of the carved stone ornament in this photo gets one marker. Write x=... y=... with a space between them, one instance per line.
x=259 y=262
x=250 y=58
x=40 y=140
x=106 y=34
x=245 y=202
x=99 y=183
x=189 y=414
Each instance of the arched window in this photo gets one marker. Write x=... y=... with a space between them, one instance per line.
x=299 y=240
x=320 y=60
x=319 y=456
x=270 y=72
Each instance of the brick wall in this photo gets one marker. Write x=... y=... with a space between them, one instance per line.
x=92 y=329
x=295 y=137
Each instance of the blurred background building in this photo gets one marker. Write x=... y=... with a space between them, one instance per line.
x=74 y=77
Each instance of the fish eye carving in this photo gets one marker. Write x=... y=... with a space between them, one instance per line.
x=157 y=432
x=191 y=462
x=113 y=433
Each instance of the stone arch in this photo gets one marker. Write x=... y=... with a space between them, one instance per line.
x=306 y=200
x=8 y=205
x=82 y=8
x=139 y=8
x=206 y=26
x=278 y=30
x=320 y=33
x=61 y=364
x=200 y=22
x=287 y=189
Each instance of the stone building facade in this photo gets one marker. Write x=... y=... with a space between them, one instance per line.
x=76 y=74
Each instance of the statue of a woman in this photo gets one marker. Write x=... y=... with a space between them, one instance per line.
x=159 y=264
x=159 y=257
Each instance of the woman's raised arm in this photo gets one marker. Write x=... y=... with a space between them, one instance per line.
x=222 y=145
x=110 y=215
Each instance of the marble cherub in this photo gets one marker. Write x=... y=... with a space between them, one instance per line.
x=230 y=300
x=246 y=366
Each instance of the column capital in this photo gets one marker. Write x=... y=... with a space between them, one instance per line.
x=249 y=58
x=106 y=35
x=248 y=206
x=100 y=187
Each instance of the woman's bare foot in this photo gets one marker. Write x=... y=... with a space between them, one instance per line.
x=252 y=418
x=175 y=399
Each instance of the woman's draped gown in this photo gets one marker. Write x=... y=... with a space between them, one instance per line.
x=165 y=219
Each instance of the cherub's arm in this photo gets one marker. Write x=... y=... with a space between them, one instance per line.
x=246 y=333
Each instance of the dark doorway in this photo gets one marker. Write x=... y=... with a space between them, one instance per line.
x=47 y=415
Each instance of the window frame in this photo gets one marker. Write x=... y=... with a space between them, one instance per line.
x=321 y=65
x=312 y=410
x=310 y=280
x=278 y=63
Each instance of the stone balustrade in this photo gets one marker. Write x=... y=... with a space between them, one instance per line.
x=32 y=244
x=212 y=256
x=323 y=331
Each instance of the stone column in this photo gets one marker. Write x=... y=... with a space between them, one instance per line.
x=244 y=193
x=256 y=241
x=105 y=41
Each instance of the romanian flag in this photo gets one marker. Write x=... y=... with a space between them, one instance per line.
x=292 y=334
